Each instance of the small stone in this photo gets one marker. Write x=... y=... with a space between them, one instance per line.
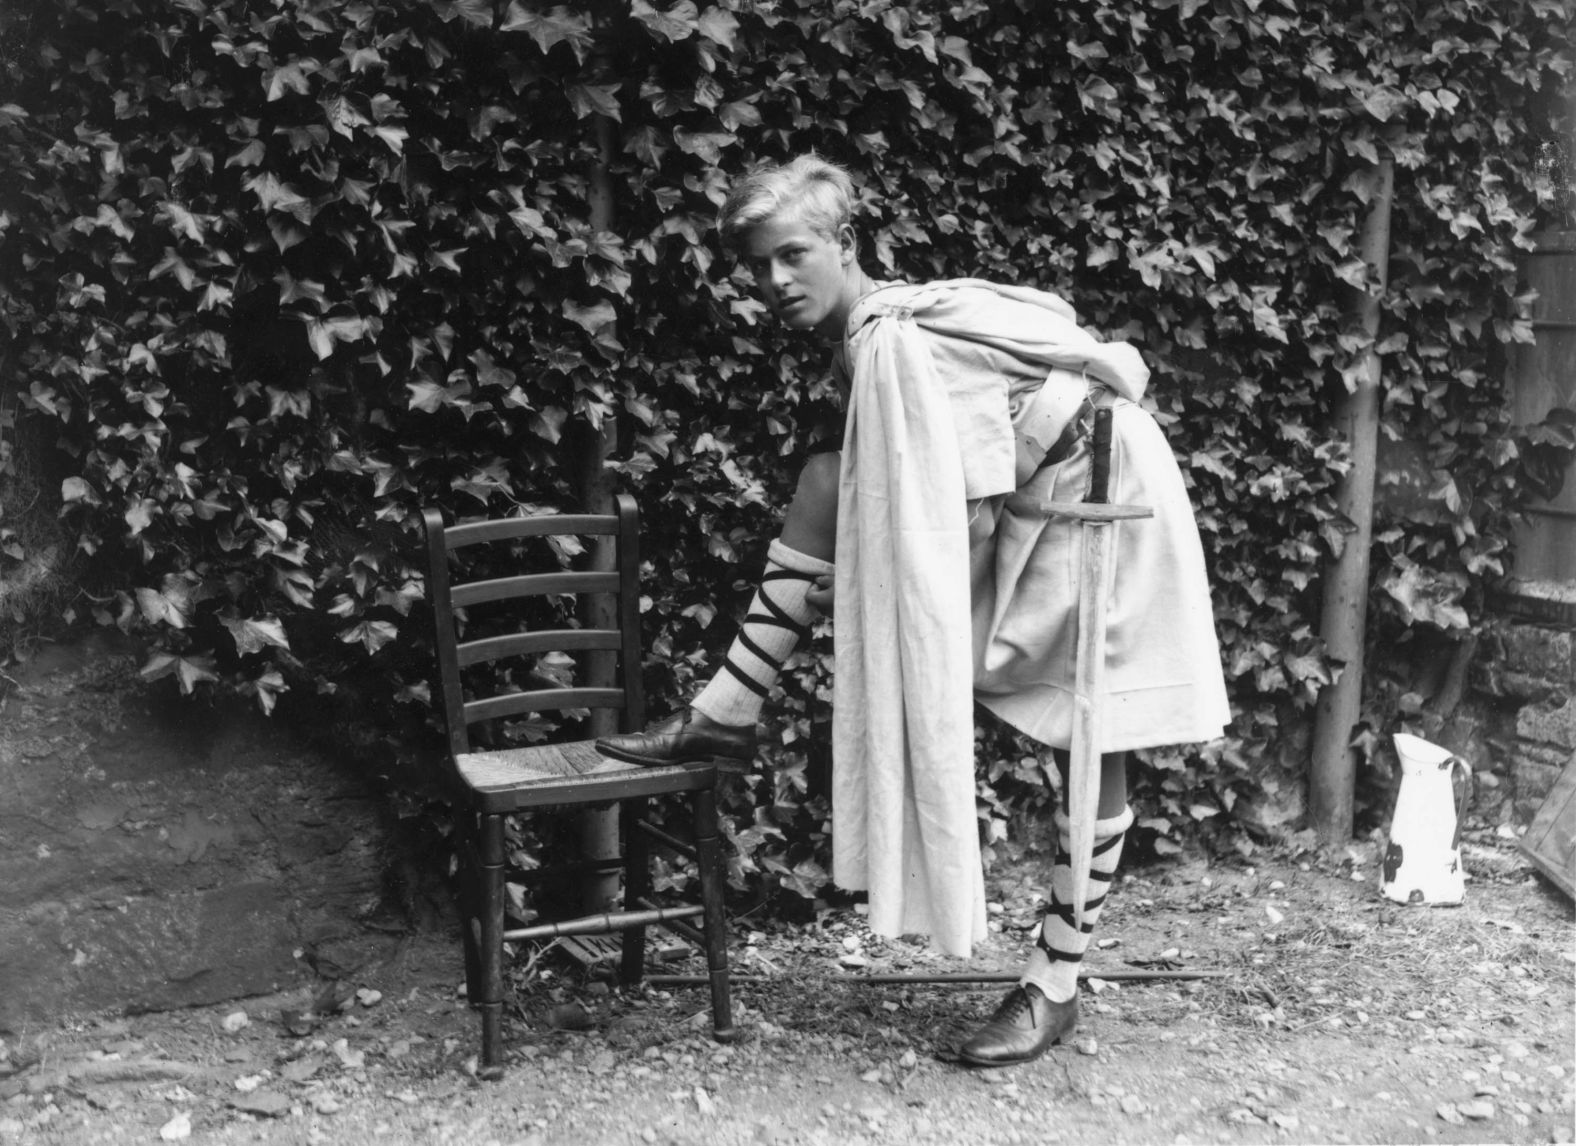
x=177 y=1129
x=1087 y=1046
x=1132 y=1104
x=909 y=1060
x=235 y=1021
x=367 y=997
x=264 y=1102
x=1478 y=1108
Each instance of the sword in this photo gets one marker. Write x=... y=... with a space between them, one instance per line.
x=1096 y=518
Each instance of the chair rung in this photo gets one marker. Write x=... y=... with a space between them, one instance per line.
x=542 y=700
x=681 y=846
x=539 y=641
x=504 y=529
x=532 y=585
x=606 y=921
x=678 y=926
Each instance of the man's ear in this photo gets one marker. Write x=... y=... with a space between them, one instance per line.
x=849 y=243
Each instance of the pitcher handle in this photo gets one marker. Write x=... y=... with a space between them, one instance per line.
x=1467 y=796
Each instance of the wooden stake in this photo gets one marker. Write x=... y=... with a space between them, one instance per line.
x=1344 y=621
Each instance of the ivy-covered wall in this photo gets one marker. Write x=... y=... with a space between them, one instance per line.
x=275 y=275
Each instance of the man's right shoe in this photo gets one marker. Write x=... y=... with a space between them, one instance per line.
x=686 y=737
x=1024 y=1027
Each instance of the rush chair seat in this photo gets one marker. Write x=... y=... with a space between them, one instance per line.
x=493 y=782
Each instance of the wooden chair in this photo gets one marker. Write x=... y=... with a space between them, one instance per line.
x=494 y=782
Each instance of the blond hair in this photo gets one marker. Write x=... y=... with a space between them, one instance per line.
x=820 y=191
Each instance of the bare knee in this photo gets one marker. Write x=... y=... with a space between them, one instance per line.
x=811 y=522
x=818 y=481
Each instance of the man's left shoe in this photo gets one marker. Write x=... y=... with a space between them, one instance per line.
x=686 y=737
x=1024 y=1027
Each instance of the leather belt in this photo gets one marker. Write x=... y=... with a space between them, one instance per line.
x=1054 y=411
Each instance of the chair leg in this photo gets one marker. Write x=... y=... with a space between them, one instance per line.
x=708 y=855
x=637 y=886
x=490 y=896
x=470 y=903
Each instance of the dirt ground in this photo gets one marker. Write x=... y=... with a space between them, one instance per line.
x=1320 y=1013
x=1337 y=1017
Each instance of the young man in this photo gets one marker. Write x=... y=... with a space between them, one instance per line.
x=968 y=407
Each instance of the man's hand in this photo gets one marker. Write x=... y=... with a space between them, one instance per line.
x=821 y=595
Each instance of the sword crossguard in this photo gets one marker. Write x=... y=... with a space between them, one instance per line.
x=1087 y=511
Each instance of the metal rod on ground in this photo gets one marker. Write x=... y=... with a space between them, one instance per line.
x=1130 y=976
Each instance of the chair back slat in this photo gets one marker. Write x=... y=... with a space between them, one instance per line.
x=533 y=585
x=448 y=595
x=541 y=525
x=542 y=700
x=542 y=641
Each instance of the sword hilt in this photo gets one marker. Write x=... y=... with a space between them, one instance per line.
x=1100 y=457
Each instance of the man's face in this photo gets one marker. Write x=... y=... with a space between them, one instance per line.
x=802 y=276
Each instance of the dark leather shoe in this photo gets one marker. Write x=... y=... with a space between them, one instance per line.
x=683 y=738
x=1024 y=1027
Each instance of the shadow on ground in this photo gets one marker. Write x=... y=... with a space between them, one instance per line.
x=159 y=852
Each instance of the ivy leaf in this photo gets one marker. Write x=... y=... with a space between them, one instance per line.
x=189 y=671
x=141 y=515
x=171 y=605
x=323 y=334
x=373 y=635
x=1384 y=103
x=593 y=318
x=252 y=155
x=705 y=145
x=252 y=634
x=76 y=489
x=476 y=13
x=267 y=688
x=181 y=221
x=595 y=99
x=559 y=26
x=290 y=77
x=1428 y=597
x=720 y=26
x=273 y=195
x=393 y=135
x=431 y=397
x=676 y=24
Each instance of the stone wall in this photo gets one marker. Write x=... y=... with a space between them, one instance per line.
x=1525 y=681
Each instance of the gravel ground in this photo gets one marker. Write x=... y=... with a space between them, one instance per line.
x=1326 y=1015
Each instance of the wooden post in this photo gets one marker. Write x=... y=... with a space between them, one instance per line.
x=1344 y=621
x=599 y=826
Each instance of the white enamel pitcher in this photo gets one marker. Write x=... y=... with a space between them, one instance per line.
x=1423 y=861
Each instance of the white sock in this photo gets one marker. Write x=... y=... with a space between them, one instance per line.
x=1060 y=947
x=778 y=617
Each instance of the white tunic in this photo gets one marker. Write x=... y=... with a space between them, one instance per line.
x=945 y=594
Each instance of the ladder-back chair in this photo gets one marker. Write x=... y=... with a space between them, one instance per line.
x=499 y=780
